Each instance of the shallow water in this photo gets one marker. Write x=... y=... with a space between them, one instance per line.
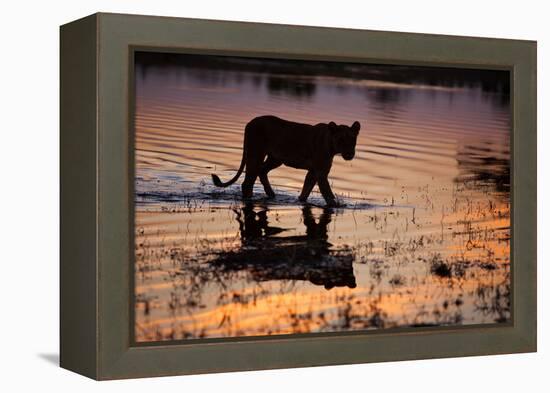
x=422 y=237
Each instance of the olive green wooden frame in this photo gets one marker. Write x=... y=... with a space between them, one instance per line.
x=97 y=208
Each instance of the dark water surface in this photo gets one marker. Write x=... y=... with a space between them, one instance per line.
x=423 y=238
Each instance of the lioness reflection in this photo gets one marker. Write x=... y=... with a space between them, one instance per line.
x=267 y=255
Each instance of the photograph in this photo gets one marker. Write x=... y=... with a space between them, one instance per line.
x=276 y=196
x=288 y=197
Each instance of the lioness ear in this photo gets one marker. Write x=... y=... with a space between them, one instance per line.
x=356 y=126
x=332 y=126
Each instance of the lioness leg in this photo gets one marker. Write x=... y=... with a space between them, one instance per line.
x=253 y=166
x=324 y=187
x=269 y=164
x=248 y=183
x=309 y=183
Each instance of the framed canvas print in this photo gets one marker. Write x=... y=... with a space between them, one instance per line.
x=240 y=196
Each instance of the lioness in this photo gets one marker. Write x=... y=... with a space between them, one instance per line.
x=301 y=146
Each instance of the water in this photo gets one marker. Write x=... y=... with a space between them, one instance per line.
x=422 y=238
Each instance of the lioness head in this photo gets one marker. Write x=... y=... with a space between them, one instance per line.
x=344 y=138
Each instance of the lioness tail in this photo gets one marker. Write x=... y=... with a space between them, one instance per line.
x=219 y=183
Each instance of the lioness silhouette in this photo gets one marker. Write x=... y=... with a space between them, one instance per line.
x=297 y=145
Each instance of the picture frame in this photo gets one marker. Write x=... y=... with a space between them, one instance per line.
x=96 y=270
